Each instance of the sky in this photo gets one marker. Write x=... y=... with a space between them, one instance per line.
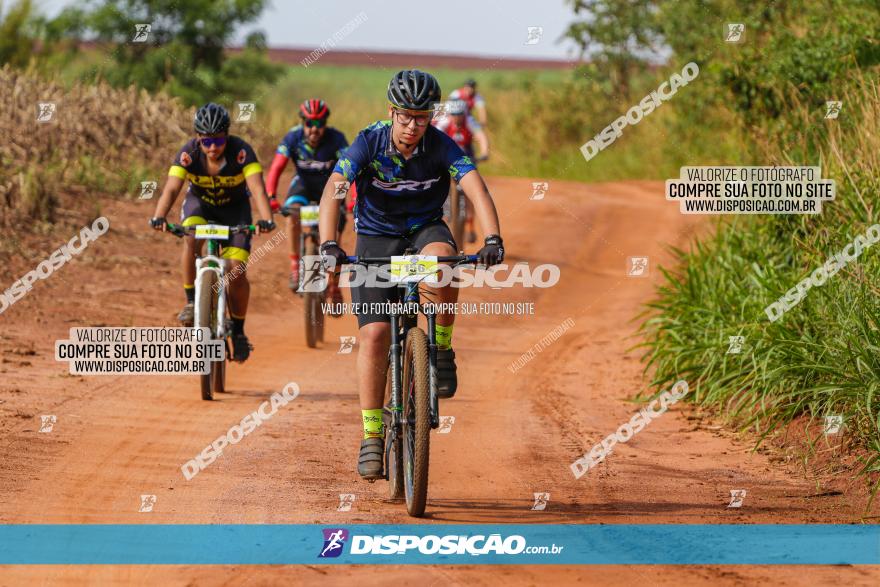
x=470 y=27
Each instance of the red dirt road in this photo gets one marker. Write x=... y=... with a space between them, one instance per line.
x=514 y=434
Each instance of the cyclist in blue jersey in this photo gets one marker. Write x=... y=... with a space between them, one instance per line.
x=402 y=170
x=314 y=149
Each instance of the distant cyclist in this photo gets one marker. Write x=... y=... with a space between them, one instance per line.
x=402 y=169
x=223 y=173
x=476 y=105
x=462 y=128
x=314 y=148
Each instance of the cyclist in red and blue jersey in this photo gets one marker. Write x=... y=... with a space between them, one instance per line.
x=462 y=128
x=402 y=168
x=314 y=148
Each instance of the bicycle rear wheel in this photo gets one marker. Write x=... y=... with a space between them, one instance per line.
x=456 y=217
x=416 y=421
x=206 y=304
x=218 y=374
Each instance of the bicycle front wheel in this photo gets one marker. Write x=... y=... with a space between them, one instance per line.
x=314 y=317
x=206 y=304
x=416 y=421
x=394 y=463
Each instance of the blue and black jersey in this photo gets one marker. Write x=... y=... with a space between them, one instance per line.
x=397 y=196
x=313 y=165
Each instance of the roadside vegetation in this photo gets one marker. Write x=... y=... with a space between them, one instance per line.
x=124 y=108
x=821 y=358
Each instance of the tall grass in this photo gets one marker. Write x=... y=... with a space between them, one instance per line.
x=823 y=356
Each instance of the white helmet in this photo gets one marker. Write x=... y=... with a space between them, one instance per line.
x=456 y=107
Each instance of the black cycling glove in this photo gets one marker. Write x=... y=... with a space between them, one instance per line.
x=332 y=255
x=266 y=225
x=492 y=252
x=157 y=222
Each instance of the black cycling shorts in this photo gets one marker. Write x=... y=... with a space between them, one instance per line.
x=197 y=211
x=298 y=194
x=386 y=246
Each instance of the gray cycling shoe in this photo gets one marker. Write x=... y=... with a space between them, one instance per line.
x=187 y=316
x=371 y=459
x=447 y=378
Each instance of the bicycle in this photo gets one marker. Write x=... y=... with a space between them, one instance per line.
x=411 y=404
x=210 y=304
x=455 y=209
x=313 y=273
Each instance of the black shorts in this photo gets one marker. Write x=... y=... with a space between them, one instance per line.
x=298 y=194
x=386 y=246
x=197 y=211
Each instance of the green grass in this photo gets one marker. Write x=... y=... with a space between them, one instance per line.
x=822 y=357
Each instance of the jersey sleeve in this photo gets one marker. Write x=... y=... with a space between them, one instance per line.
x=181 y=162
x=248 y=161
x=473 y=124
x=354 y=159
x=457 y=162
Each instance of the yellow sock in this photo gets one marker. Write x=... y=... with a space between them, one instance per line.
x=372 y=423
x=443 y=334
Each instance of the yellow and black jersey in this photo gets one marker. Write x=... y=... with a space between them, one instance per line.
x=226 y=187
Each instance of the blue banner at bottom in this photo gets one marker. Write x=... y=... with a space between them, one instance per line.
x=261 y=544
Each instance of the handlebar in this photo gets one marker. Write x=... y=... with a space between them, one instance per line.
x=180 y=230
x=456 y=259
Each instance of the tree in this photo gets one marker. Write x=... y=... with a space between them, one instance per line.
x=184 y=49
x=16 y=40
x=617 y=35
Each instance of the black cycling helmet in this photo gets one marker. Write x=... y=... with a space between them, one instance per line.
x=211 y=119
x=471 y=83
x=412 y=89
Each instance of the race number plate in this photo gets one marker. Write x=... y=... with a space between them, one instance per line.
x=308 y=215
x=414 y=268
x=207 y=231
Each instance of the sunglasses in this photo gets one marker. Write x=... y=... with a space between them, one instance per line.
x=210 y=141
x=314 y=123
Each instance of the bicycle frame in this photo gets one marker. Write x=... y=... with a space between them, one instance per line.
x=401 y=322
x=307 y=232
x=400 y=325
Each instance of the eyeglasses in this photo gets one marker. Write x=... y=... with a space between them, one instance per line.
x=210 y=141
x=405 y=118
x=318 y=123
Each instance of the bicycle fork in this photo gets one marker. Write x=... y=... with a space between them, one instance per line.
x=432 y=369
x=396 y=395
